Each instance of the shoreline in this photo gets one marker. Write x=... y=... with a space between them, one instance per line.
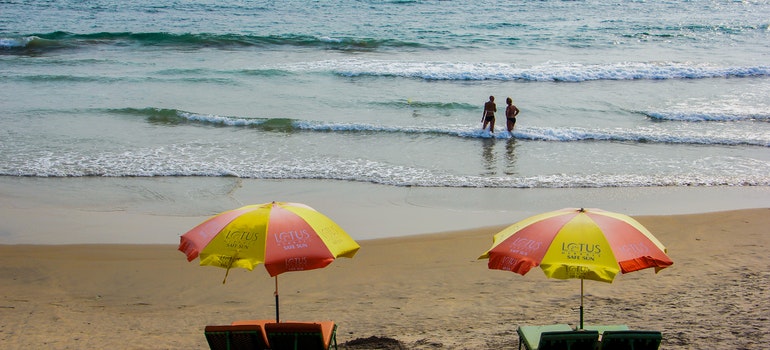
x=157 y=210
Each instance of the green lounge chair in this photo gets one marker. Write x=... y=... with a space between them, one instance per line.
x=631 y=340
x=302 y=335
x=569 y=340
x=238 y=337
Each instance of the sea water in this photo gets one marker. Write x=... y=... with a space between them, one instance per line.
x=612 y=94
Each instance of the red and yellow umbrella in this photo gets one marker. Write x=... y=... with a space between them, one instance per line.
x=283 y=236
x=577 y=243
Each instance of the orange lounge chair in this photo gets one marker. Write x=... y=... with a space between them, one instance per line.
x=302 y=335
x=238 y=337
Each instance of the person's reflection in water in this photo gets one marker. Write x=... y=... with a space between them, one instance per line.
x=488 y=154
x=510 y=157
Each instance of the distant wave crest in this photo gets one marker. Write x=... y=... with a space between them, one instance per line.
x=61 y=39
x=31 y=43
x=445 y=71
x=641 y=135
x=707 y=117
x=551 y=71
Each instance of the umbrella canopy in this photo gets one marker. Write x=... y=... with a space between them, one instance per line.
x=283 y=236
x=577 y=243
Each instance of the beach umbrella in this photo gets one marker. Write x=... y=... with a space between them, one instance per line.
x=283 y=236
x=580 y=243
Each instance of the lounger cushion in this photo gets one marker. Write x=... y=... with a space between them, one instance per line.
x=571 y=340
x=239 y=337
x=301 y=335
x=631 y=340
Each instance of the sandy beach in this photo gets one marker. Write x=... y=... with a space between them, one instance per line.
x=418 y=291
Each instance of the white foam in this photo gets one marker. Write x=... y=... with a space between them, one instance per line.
x=222 y=120
x=549 y=71
x=200 y=160
x=16 y=42
x=570 y=134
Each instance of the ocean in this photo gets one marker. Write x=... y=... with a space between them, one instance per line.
x=612 y=94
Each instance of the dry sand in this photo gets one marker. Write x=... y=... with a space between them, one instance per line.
x=419 y=292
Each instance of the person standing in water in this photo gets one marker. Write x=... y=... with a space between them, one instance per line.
x=510 y=115
x=488 y=118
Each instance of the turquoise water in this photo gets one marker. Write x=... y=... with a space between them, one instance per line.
x=627 y=94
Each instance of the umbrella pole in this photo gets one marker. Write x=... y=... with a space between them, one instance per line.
x=581 y=303
x=277 y=319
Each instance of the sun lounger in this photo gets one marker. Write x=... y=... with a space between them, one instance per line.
x=301 y=335
x=238 y=337
x=631 y=340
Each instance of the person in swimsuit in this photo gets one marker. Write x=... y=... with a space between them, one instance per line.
x=488 y=118
x=510 y=115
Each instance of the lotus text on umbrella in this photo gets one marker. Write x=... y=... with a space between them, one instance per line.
x=524 y=246
x=581 y=251
x=239 y=239
x=293 y=239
